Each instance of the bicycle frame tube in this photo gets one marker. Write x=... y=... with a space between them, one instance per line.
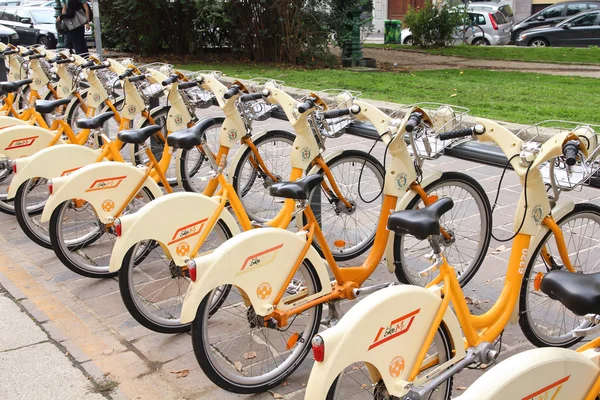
x=560 y=243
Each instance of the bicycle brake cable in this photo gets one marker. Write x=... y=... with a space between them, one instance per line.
x=363 y=167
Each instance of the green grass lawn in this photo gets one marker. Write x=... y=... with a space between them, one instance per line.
x=560 y=55
x=508 y=96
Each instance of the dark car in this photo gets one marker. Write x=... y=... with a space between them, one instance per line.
x=7 y=36
x=35 y=25
x=552 y=15
x=581 y=30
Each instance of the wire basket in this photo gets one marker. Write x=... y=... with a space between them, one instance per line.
x=163 y=68
x=336 y=99
x=196 y=97
x=258 y=110
x=46 y=67
x=445 y=117
x=556 y=170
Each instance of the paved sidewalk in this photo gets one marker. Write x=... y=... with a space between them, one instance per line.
x=34 y=363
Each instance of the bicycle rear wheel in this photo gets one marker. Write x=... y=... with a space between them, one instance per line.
x=546 y=322
x=29 y=203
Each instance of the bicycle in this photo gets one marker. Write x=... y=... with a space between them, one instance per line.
x=407 y=337
x=159 y=313
x=277 y=283
x=29 y=184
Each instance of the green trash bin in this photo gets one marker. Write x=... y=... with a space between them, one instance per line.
x=393 y=31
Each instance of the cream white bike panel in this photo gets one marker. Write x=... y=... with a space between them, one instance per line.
x=252 y=261
x=7 y=122
x=105 y=185
x=188 y=214
x=545 y=373
x=51 y=162
x=23 y=141
x=386 y=329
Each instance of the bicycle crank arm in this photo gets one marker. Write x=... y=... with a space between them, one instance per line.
x=372 y=289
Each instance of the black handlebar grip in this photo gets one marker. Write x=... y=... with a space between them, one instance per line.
x=27 y=53
x=232 y=91
x=128 y=72
x=88 y=64
x=53 y=60
x=37 y=56
x=306 y=105
x=251 y=97
x=456 y=134
x=65 y=61
x=100 y=66
x=138 y=78
x=187 y=85
x=336 y=113
x=170 y=80
x=9 y=52
x=413 y=121
x=570 y=151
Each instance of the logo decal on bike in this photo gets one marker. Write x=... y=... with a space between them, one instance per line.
x=188 y=231
x=178 y=119
x=305 y=154
x=23 y=142
x=97 y=97
x=107 y=183
x=183 y=249
x=233 y=135
x=108 y=205
x=536 y=214
x=260 y=259
x=65 y=90
x=402 y=181
x=546 y=391
x=38 y=81
x=69 y=171
x=132 y=109
x=396 y=366
x=396 y=328
x=264 y=290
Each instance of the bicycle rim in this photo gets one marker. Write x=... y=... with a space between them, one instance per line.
x=29 y=204
x=544 y=321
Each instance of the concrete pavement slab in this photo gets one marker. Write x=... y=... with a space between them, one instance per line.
x=16 y=328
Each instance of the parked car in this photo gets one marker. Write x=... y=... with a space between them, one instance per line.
x=35 y=25
x=8 y=35
x=581 y=30
x=552 y=15
x=496 y=30
x=504 y=8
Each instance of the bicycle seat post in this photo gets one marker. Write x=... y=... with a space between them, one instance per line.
x=437 y=258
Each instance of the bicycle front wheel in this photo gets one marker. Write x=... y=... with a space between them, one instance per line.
x=356 y=381
x=29 y=203
x=252 y=184
x=469 y=225
x=349 y=231
x=546 y=322
x=153 y=287
x=239 y=353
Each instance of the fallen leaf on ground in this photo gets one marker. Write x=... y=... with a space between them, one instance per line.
x=108 y=351
x=453 y=95
x=249 y=355
x=471 y=300
x=461 y=388
x=181 y=374
x=285 y=383
x=238 y=366
x=277 y=396
x=498 y=249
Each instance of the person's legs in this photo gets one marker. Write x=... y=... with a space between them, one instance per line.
x=69 y=40
x=78 y=38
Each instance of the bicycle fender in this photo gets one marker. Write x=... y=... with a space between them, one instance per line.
x=188 y=214
x=7 y=122
x=23 y=141
x=258 y=262
x=401 y=205
x=386 y=331
x=51 y=162
x=238 y=155
x=105 y=185
x=538 y=373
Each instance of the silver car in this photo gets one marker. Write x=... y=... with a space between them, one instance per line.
x=504 y=8
x=487 y=28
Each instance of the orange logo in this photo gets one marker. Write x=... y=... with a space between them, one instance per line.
x=546 y=391
x=107 y=183
x=183 y=249
x=108 y=205
x=188 y=231
x=396 y=328
x=264 y=291
x=69 y=171
x=261 y=259
x=396 y=366
x=23 y=142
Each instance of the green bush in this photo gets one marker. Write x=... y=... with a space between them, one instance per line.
x=433 y=26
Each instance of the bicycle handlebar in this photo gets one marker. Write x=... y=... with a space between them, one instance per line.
x=65 y=60
x=413 y=121
x=355 y=109
x=9 y=52
x=570 y=151
x=476 y=130
x=128 y=72
x=171 y=79
x=138 y=78
x=104 y=65
x=187 y=85
x=27 y=53
x=251 y=97
x=306 y=105
x=88 y=64
x=36 y=56
x=232 y=91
